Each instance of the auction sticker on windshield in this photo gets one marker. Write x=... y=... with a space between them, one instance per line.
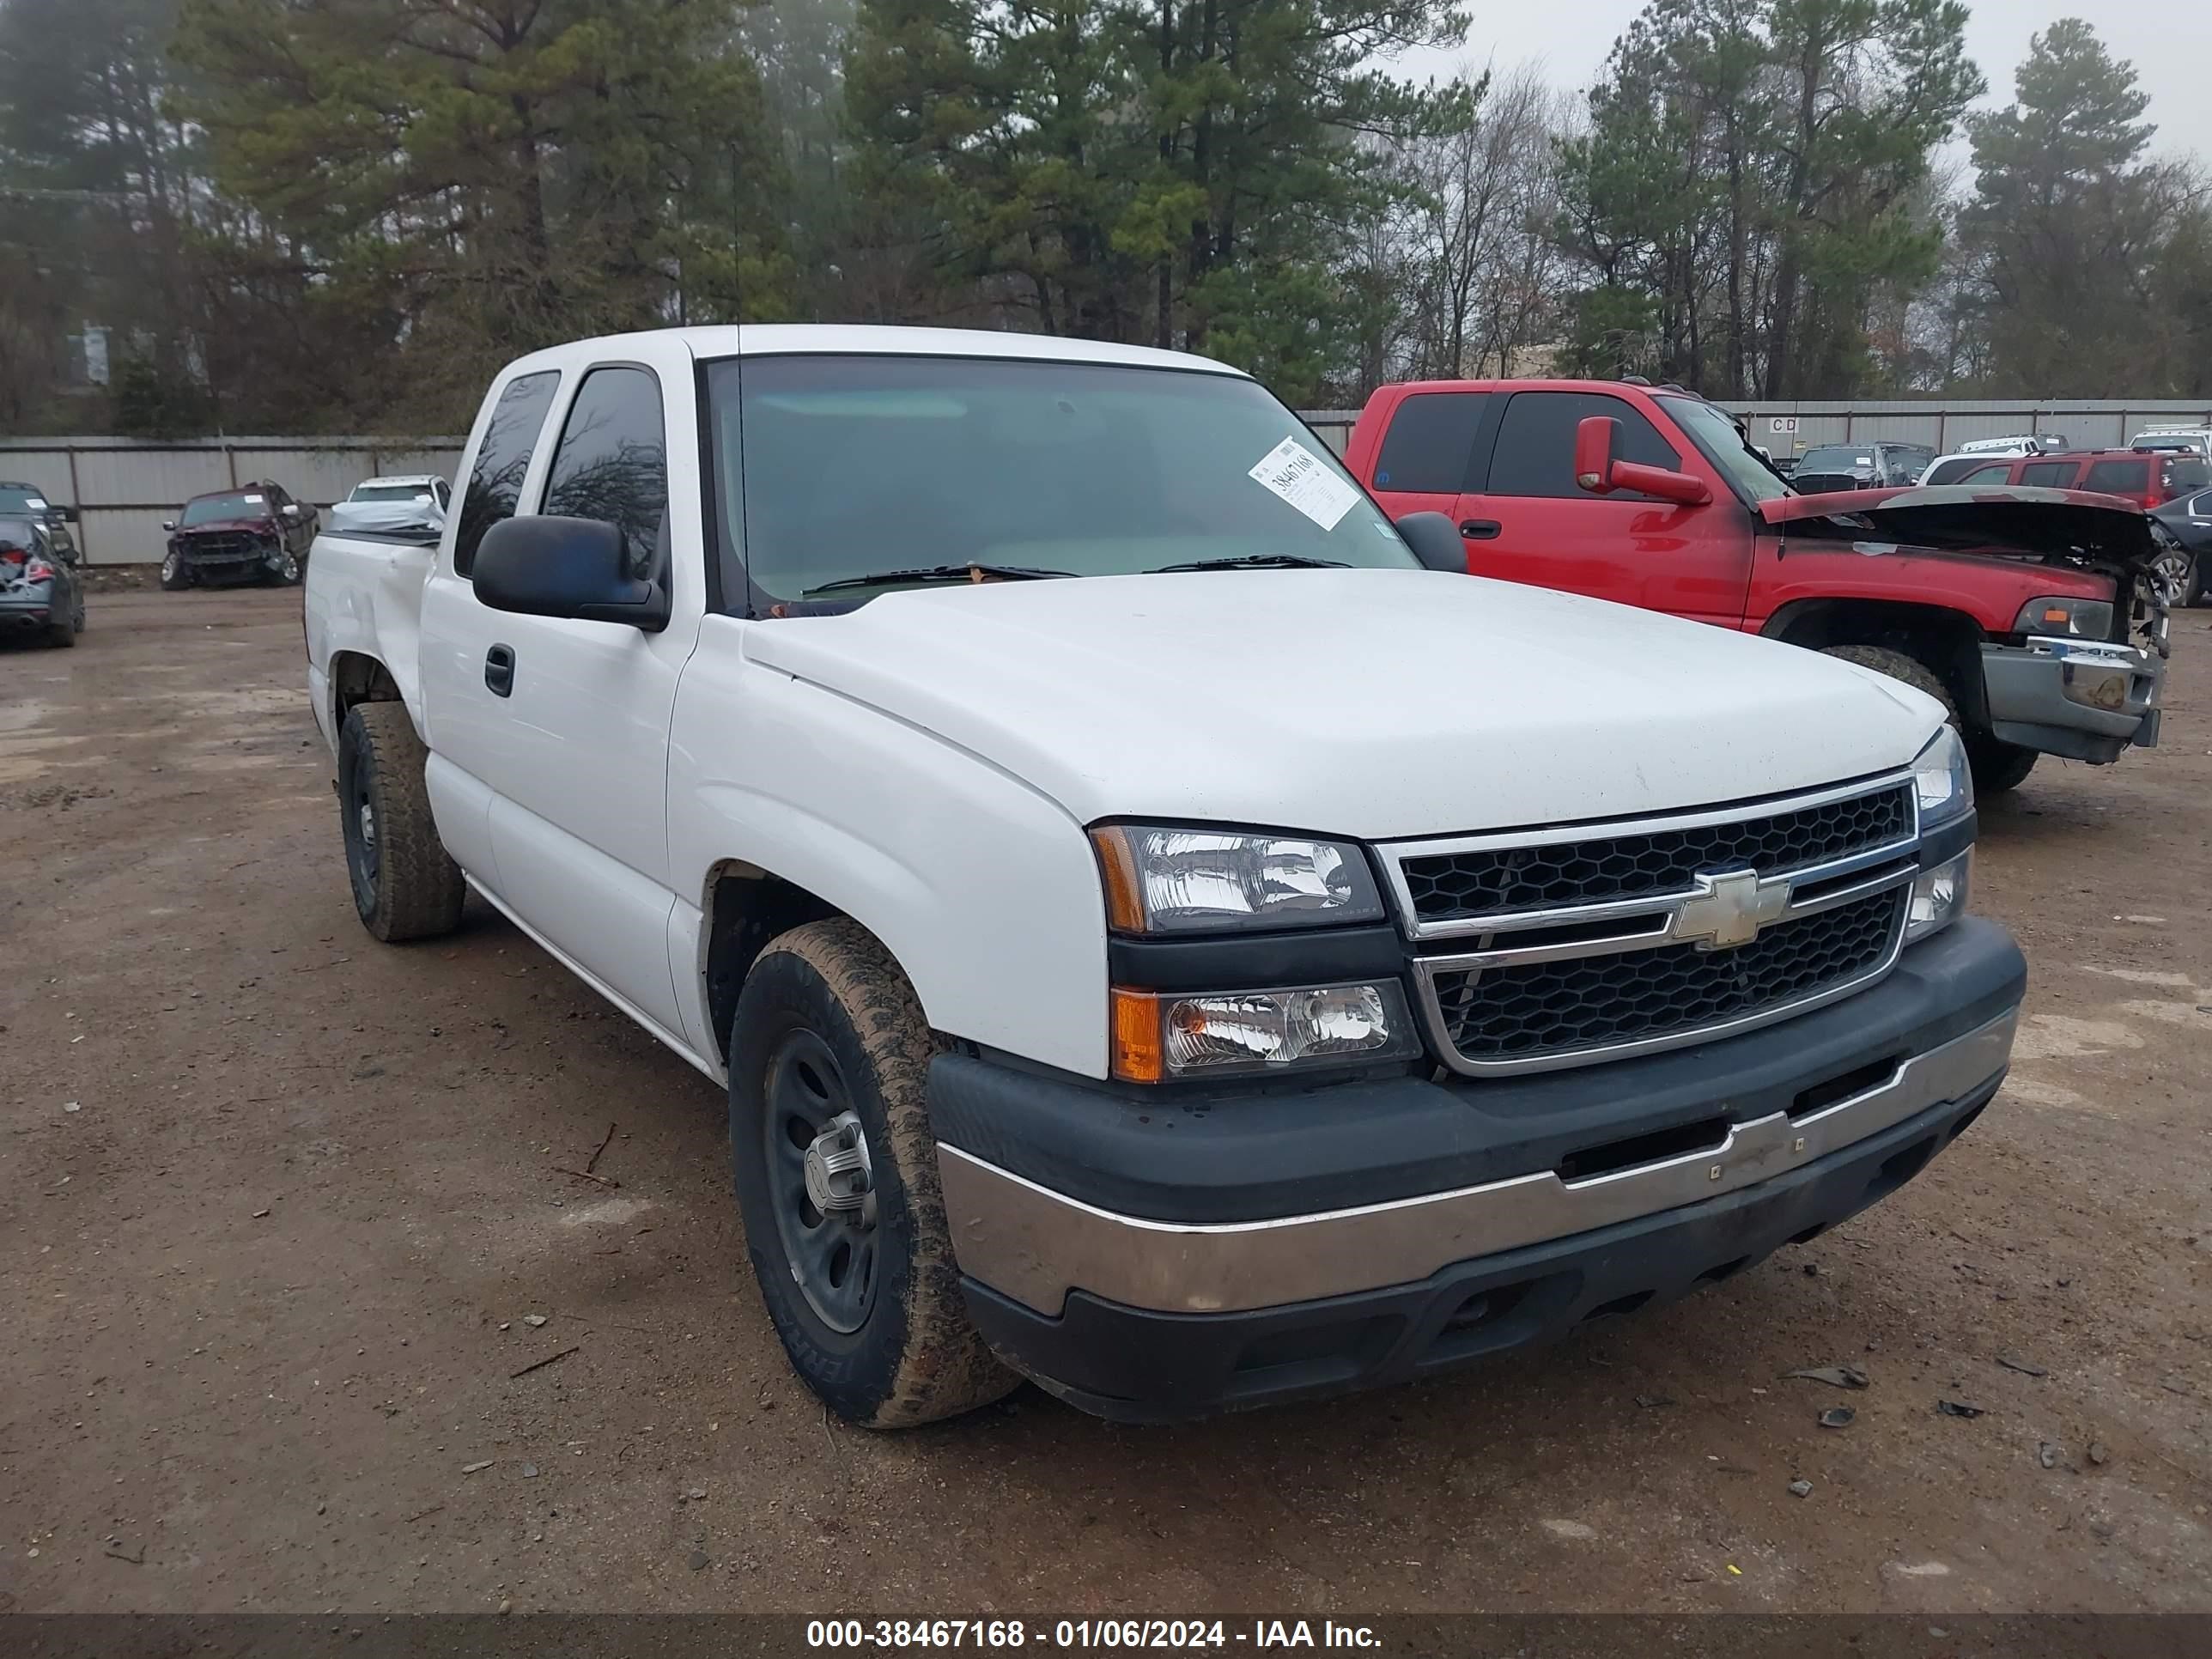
x=1305 y=481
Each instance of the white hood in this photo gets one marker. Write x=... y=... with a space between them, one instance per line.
x=1367 y=703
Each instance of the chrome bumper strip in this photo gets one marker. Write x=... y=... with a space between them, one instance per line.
x=1036 y=1245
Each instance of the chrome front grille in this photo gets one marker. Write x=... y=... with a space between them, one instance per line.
x=1540 y=950
x=1596 y=867
x=1560 y=1009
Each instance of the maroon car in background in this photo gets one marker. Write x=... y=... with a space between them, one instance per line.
x=254 y=534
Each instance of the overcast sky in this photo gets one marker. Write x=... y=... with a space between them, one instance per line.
x=2169 y=45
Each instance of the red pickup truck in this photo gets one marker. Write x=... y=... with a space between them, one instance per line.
x=2038 y=617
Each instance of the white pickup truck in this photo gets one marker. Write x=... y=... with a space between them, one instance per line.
x=1160 y=932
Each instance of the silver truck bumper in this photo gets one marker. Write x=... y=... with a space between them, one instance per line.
x=1034 y=1245
x=2079 y=699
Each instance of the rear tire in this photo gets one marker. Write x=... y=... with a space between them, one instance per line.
x=404 y=885
x=829 y=1057
x=63 y=634
x=174 y=576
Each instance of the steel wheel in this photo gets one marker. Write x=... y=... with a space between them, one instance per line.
x=822 y=1182
x=363 y=865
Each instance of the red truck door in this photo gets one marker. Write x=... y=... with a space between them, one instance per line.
x=1531 y=523
x=1427 y=461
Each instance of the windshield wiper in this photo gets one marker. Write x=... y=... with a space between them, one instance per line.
x=941 y=572
x=1258 y=561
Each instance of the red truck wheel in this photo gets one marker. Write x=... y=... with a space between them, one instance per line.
x=1997 y=765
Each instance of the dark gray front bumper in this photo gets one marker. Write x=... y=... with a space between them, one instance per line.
x=1233 y=1198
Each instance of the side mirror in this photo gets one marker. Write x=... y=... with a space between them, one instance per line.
x=68 y=514
x=1597 y=437
x=291 y=509
x=1435 y=541
x=556 y=566
x=168 y=524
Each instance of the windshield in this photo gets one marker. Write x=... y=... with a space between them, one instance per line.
x=216 y=509
x=390 y=492
x=1835 y=458
x=1718 y=439
x=856 y=465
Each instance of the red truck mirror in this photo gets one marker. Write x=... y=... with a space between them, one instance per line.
x=1597 y=471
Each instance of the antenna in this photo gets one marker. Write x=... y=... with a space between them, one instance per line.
x=737 y=530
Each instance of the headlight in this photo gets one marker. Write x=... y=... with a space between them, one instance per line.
x=1941 y=778
x=1161 y=1036
x=2080 y=619
x=1939 y=896
x=1177 y=881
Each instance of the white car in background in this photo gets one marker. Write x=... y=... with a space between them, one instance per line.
x=2192 y=440
x=394 y=505
x=1958 y=467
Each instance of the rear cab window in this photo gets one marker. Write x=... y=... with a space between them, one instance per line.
x=1535 y=450
x=1430 y=443
x=495 y=485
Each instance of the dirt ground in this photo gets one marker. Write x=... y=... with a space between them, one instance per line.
x=281 y=1210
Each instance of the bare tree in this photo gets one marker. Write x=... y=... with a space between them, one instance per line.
x=1477 y=243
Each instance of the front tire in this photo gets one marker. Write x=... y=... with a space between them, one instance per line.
x=174 y=576
x=404 y=885
x=1996 y=765
x=835 y=1171
x=285 y=570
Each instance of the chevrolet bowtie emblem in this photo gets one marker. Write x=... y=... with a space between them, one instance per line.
x=1729 y=909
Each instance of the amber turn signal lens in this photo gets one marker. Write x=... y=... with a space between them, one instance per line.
x=1136 y=1054
x=1117 y=865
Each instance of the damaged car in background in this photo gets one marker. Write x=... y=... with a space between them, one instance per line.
x=22 y=500
x=2035 y=617
x=398 y=503
x=2080 y=672
x=41 y=594
x=254 y=534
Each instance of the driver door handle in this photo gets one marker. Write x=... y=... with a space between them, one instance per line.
x=1480 y=529
x=499 y=670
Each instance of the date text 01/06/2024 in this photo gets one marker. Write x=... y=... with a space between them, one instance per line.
x=897 y=1634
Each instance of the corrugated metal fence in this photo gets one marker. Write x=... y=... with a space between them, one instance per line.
x=124 y=488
